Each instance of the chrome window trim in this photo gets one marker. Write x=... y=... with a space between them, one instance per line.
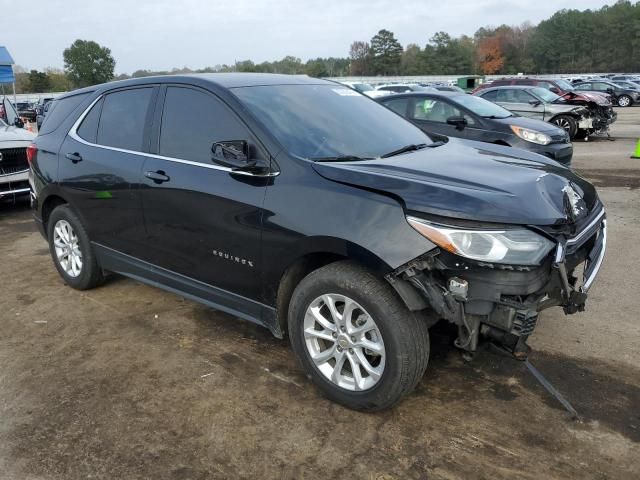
x=587 y=229
x=73 y=133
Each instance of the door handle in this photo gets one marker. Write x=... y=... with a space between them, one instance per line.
x=74 y=157
x=157 y=177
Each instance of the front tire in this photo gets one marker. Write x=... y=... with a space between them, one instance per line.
x=71 y=250
x=567 y=123
x=355 y=338
x=624 y=101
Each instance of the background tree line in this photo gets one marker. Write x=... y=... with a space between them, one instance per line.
x=570 y=41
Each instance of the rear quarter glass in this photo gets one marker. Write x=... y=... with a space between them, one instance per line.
x=59 y=111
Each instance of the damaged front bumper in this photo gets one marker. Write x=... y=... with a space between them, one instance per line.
x=502 y=302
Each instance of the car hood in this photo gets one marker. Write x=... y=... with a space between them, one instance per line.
x=12 y=134
x=582 y=96
x=470 y=180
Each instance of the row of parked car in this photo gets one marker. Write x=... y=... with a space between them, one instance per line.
x=536 y=114
x=34 y=111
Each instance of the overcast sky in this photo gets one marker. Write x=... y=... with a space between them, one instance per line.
x=161 y=34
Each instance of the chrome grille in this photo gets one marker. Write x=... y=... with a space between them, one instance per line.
x=13 y=160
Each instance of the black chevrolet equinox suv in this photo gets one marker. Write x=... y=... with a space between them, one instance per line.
x=308 y=208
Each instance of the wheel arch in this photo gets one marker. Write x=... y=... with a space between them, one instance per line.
x=320 y=252
x=48 y=205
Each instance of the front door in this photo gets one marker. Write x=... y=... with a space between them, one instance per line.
x=431 y=115
x=203 y=220
x=521 y=102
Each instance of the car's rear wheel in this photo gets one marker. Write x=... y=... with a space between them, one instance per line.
x=624 y=101
x=568 y=123
x=355 y=338
x=71 y=250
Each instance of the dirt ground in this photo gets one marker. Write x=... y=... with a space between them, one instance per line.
x=127 y=381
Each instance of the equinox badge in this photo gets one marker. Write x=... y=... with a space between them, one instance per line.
x=227 y=256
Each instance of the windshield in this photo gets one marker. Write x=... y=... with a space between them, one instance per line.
x=564 y=85
x=482 y=107
x=544 y=94
x=326 y=121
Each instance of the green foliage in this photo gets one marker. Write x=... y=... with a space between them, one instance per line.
x=39 y=82
x=589 y=41
x=444 y=55
x=386 y=53
x=87 y=63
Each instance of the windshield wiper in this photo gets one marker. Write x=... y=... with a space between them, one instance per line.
x=410 y=148
x=341 y=158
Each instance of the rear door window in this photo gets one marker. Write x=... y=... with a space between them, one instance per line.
x=123 y=118
x=183 y=138
x=59 y=110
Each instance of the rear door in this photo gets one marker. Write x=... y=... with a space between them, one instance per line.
x=203 y=220
x=100 y=164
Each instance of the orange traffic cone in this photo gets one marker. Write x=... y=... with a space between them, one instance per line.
x=636 y=154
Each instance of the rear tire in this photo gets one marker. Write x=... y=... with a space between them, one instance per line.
x=625 y=101
x=567 y=123
x=71 y=250
x=370 y=350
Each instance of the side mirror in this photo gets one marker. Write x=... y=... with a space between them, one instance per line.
x=610 y=91
x=555 y=90
x=232 y=153
x=534 y=103
x=18 y=122
x=458 y=122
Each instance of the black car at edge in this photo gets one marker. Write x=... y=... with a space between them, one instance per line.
x=312 y=210
x=473 y=118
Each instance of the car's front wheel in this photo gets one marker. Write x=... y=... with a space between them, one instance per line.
x=624 y=101
x=71 y=250
x=355 y=338
x=568 y=123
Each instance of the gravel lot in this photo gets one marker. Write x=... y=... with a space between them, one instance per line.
x=127 y=381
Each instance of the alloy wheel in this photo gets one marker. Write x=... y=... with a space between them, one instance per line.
x=344 y=342
x=624 y=101
x=564 y=123
x=67 y=248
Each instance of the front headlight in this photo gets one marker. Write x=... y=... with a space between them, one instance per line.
x=531 y=135
x=517 y=246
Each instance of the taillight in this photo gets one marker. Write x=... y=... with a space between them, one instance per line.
x=32 y=151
